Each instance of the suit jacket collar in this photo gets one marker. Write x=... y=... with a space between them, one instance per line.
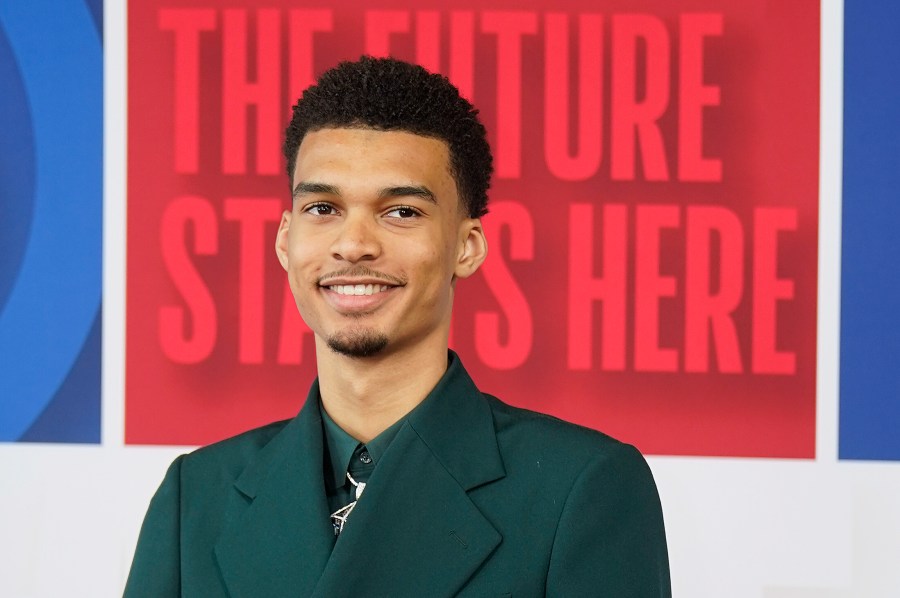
x=277 y=535
x=414 y=532
x=456 y=423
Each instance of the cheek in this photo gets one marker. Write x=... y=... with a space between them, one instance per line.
x=302 y=276
x=437 y=268
x=301 y=255
x=434 y=260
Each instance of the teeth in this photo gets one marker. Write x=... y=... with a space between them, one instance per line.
x=358 y=289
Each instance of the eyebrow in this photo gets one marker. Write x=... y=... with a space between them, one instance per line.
x=408 y=191
x=305 y=188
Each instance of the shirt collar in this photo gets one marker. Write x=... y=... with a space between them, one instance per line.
x=341 y=446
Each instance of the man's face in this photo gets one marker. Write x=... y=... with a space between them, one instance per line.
x=375 y=240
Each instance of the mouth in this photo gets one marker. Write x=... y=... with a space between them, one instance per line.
x=358 y=289
x=357 y=297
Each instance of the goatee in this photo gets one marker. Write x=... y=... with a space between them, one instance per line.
x=358 y=344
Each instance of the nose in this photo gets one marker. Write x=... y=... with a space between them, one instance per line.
x=356 y=240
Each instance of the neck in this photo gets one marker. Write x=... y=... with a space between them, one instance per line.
x=365 y=396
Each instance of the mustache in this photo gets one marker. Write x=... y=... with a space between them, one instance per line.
x=361 y=272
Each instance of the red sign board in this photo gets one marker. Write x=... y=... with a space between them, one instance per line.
x=653 y=225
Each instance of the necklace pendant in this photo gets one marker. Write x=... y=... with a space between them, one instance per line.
x=339 y=518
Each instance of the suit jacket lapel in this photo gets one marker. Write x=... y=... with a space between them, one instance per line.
x=415 y=531
x=278 y=535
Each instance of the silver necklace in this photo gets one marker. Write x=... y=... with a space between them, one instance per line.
x=339 y=517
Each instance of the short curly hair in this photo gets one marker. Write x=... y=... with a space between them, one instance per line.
x=392 y=95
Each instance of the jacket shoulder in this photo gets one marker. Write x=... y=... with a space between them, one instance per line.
x=557 y=452
x=231 y=456
x=517 y=425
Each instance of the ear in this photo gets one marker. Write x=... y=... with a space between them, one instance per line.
x=281 y=239
x=472 y=248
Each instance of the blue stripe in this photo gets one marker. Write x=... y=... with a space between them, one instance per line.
x=870 y=286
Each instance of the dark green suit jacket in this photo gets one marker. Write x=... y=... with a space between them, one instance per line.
x=472 y=498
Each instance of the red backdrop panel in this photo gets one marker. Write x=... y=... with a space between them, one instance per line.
x=653 y=226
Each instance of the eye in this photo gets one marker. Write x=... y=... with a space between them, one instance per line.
x=403 y=212
x=321 y=209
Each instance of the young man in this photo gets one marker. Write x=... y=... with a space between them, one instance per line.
x=398 y=477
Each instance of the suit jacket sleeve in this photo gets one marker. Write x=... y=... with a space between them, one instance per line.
x=155 y=570
x=610 y=540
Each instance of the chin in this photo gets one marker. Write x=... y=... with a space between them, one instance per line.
x=362 y=343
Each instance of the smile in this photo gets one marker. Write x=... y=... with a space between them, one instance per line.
x=358 y=289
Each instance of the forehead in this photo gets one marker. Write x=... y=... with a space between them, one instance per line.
x=361 y=156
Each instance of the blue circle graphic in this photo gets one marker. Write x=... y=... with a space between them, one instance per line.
x=56 y=293
x=16 y=169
